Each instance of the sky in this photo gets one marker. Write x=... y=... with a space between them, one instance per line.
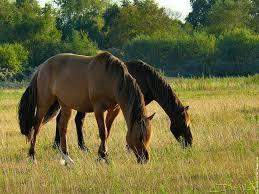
x=181 y=6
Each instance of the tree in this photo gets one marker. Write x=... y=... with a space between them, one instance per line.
x=138 y=18
x=81 y=15
x=199 y=14
x=13 y=57
x=109 y=16
x=255 y=16
x=80 y=44
x=238 y=47
x=226 y=15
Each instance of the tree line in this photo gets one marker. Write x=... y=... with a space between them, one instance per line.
x=219 y=37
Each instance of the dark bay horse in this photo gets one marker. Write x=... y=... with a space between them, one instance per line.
x=153 y=87
x=86 y=84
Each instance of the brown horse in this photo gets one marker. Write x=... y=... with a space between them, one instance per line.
x=153 y=87
x=86 y=84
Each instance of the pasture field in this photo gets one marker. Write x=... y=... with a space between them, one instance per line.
x=225 y=126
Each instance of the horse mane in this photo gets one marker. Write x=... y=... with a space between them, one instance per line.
x=127 y=87
x=160 y=89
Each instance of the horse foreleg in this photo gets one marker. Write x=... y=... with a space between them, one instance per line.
x=111 y=115
x=62 y=125
x=102 y=152
x=79 y=120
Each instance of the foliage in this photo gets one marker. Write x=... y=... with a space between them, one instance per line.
x=228 y=15
x=207 y=44
x=199 y=14
x=238 y=47
x=80 y=44
x=234 y=53
x=138 y=18
x=81 y=15
x=165 y=52
x=13 y=57
x=255 y=16
x=6 y=74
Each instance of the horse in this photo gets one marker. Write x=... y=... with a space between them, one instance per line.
x=85 y=84
x=154 y=87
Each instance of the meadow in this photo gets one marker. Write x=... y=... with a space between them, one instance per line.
x=224 y=156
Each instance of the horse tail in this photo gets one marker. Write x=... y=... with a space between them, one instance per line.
x=53 y=110
x=27 y=108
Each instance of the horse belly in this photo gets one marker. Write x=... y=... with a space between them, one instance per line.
x=74 y=96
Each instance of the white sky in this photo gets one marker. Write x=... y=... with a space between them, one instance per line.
x=181 y=6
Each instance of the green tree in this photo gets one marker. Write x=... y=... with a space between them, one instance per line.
x=13 y=57
x=138 y=18
x=80 y=44
x=111 y=13
x=226 y=15
x=81 y=15
x=8 y=15
x=238 y=47
x=198 y=17
x=255 y=16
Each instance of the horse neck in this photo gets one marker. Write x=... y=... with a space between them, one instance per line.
x=132 y=104
x=170 y=103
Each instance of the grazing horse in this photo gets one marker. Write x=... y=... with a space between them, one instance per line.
x=86 y=84
x=153 y=87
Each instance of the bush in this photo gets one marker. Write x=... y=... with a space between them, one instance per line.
x=171 y=52
x=41 y=50
x=6 y=74
x=13 y=57
x=239 y=47
x=80 y=44
x=234 y=53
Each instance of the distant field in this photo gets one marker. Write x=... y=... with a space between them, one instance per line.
x=225 y=126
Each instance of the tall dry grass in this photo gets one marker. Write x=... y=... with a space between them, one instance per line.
x=225 y=123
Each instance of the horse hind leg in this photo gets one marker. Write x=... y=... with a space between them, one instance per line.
x=79 y=120
x=62 y=125
x=41 y=111
x=56 y=143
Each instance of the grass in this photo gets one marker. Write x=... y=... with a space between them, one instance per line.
x=225 y=123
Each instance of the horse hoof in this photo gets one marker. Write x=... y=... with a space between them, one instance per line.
x=66 y=160
x=55 y=146
x=84 y=148
x=62 y=162
x=128 y=149
x=101 y=159
x=32 y=160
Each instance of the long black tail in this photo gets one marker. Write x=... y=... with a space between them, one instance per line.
x=27 y=107
x=53 y=110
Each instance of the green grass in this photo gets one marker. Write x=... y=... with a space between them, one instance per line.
x=225 y=124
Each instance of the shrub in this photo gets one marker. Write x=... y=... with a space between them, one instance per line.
x=41 y=50
x=13 y=57
x=166 y=51
x=238 y=47
x=80 y=44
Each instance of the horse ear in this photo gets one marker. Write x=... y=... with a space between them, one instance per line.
x=151 y=116
x=186 y=108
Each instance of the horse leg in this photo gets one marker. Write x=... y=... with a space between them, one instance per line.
x=62 y=125
x=57 y=136
x=111 y=115
x=79 y=120
x=102 y=152
x=38 y=121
